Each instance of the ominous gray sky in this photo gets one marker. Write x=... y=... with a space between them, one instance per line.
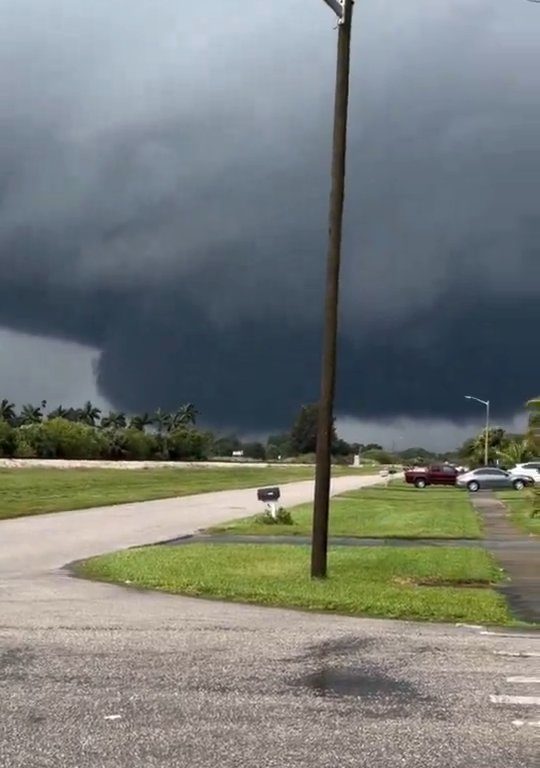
x=163 y=198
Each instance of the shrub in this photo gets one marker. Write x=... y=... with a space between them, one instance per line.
x=8 y=439
x=26 y=441
x=138 y=446
x=535 y=502
x=254 y=451
x=379 y=456
x=342 y=460
x=115 y=446
x=305 y=458
x=283 y=517
x=63 y=439
x=60 y=438
x=23 y=449
x=186 y=444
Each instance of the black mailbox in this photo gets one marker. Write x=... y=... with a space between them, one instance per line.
x=268 y=494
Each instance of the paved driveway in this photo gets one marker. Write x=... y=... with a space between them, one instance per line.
x=45 y=542
x=98 y=676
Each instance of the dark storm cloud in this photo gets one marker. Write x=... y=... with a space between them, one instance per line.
x=163 y=195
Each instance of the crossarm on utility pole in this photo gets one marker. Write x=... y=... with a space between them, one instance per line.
x=336 y=6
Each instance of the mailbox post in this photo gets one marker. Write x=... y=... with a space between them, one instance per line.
x=270 y=496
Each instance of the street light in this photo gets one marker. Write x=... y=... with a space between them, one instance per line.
x=343 y=10
x=486 y=444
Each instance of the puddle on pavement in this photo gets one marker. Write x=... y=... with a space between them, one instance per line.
x=333 y=649
x=353 y=683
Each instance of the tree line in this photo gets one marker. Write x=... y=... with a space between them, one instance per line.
x=34 y=431
x=87 y=433
x=92 y=416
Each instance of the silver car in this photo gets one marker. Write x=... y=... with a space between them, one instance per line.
x=491 y=478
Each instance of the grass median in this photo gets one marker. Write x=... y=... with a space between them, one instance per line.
x=36 y=491
x=422 y=583
x=520 y=506
x=397 y=511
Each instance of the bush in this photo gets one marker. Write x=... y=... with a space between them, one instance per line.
x=128 y=444
x=138 y=445
x=343 y=460
x=305 y=458
x=26 y=440
x=23 y=449
x=379 y=456
x=254 y=451
x=115 y=446
x=58 y=439
x=186 y=444
x=63 y=439
x=8 y=439
x=283 y=517
x=535 y=502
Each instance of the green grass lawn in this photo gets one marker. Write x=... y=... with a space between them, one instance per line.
x=519 y=505
x=398 y=511
x=35 y=491
x=420 y=583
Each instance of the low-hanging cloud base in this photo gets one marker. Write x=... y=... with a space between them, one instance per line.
x=164 y=187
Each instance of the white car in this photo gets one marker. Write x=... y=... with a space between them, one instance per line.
x=530 y=469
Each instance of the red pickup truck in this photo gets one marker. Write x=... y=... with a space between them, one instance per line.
x=437 y=474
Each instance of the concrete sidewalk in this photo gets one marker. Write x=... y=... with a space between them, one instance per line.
x=521 y=563
x=352 y=541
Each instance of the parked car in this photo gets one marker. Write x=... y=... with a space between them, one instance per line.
x=437 y=474
x=491 y=478
x=530 y=468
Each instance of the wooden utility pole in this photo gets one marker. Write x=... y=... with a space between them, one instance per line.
x=344 y=10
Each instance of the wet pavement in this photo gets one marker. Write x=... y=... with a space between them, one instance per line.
x=99 y=676
x=357 y=684
x=521 y=563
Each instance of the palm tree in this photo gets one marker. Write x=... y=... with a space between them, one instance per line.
x=30 y=414
x=186 y=414
x=140 y=421
x=58 y=413
x=89 y=414
x=533 y=434
x=7 y=411
x=114 y=420
x=473 y=450
x=73 y=414
x=162 y=420
x=516 y=452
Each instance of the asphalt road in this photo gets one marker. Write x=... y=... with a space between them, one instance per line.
x=99 y=676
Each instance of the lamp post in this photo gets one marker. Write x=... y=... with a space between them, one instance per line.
x=343 y=10
x=486 y=444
